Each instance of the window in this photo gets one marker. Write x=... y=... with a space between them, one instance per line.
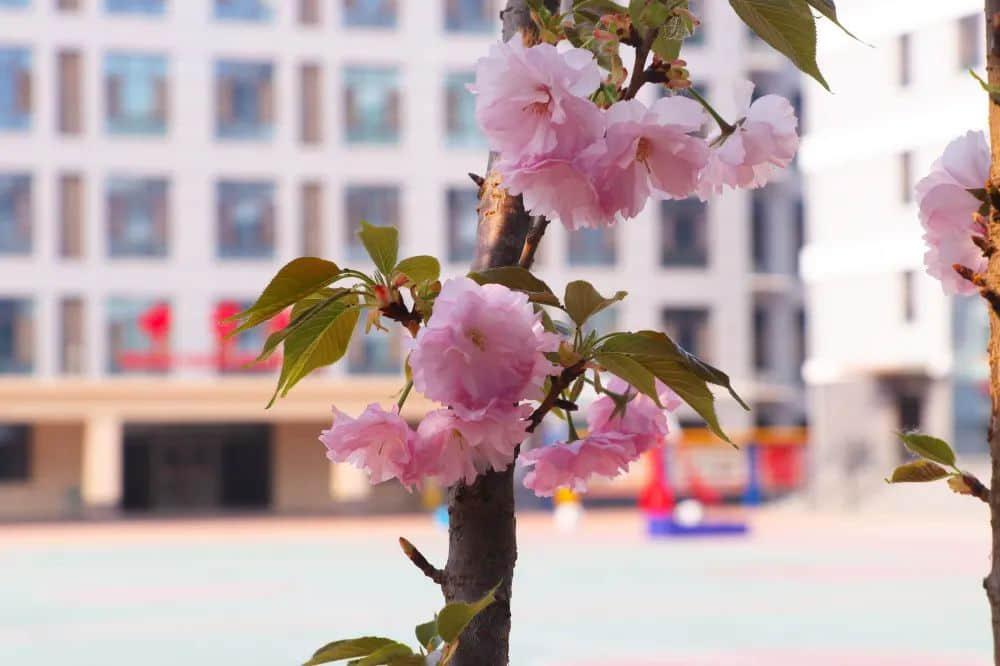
x=17 y=349
x=592 y=247
x=909 y=296
x=71 y=325
x=137 y=216
x=135 y=93
x=312 y=219
x=138 y=335
x=604 y=322
x=461 y=129
x=71 y=215
x=371 y=105
x=14 y=3
x=68 y=5
x=244 y=99
x=905 y=50
x=309 y=12
x=150 y=7
x=906 y=177
x=683 y=233
x=15 y=452
x=469 y=16
x=463 y=219
x=800 y=341
x=761 y=338
x=378 y=205
x=15 y=213
x=15 y=88
x=377 y=353
x=69 y=92
x=688 y=327
x=970 y=39
x=759 y=232
x=310 y=103
x=697 y=7
x=245 y=222
x=243 y=10
x=237 y=355
x=369 y=13
x=799 y=230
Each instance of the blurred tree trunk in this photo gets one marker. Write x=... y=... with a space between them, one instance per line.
x=482 y=544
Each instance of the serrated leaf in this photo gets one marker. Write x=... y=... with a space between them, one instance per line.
x=382 y=244
x=828 y=9
x=347 y=649
x=929 y=447
x=293 y=282
x=384 y=655
x=918 y=471
x=419 y=269
x=787 y=25
x=455 y=617
x=518 y=279
x=426 y=632
x=301 y=312
x=583 y=301
x=631 y=371
x=668 y=49
x=322 y=339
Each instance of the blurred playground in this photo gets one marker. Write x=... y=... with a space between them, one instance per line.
x=885 y=587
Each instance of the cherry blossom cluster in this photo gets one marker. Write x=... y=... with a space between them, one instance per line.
x=590 y=167
x=948 y=209
x=482 y=354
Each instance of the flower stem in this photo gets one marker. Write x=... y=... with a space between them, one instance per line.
x=405 y=394
x=725 y=127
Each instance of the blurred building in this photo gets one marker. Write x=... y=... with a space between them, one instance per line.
x=160 y=160
x=887 y=349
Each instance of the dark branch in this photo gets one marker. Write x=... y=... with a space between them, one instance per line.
x=418 y=559
x=534 y=237
x=976 y=487
x=558 y=384
x=638 y=69
x=477 y=179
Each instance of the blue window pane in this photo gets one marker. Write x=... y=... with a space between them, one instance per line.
x=378 y=205
x=138 y=335
x=592 y=247
x=463 y=218
x=137 y=217
x=15 y=213
x=244 y=99
x=461 y=129
x=244 y=10
x=151 y=7
x=14 y=4
x=377 y=353
x=697 y=8
x=683 y=233
x=16 y=336
x=371 y=105
x=15 y=88
x=245 y=224
x=135 y=93
x=469 y=16
x=369 y=13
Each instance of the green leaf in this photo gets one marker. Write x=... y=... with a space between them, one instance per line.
x=685 y=373
x=296 y=280
x=301 y=311
x=631 y=371
x=348 y=649
x=929 y=447
x=384 y=655
x=454 y=617
x=787 y=25
x=426 y=632
x=994 y=91
x=322 y=339
x=668 y=49
x=518 y=279
x=583 y=301
x=828 y=9
x=419 y=269
x=382 y=244
x=918 y=471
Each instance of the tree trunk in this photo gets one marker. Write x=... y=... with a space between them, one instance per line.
x=992 y=291
x=482 y=544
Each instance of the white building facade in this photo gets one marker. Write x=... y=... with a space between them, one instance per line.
x=160 y=160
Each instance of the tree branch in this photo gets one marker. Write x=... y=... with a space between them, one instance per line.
x=418 y=559
x=639 y=68
x=976 y=487
x=534 y=237
x=557 y=385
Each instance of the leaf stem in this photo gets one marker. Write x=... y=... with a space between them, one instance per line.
x=405 y=394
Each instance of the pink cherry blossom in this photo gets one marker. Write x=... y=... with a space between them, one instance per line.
x=379 y=442
x=482 y=348
x=764 y=140
x=642 y=419
x=529 y=101
x=650 y=151
x=946 y=210
x=559 y=188
x=571 y=465
x=462 y=449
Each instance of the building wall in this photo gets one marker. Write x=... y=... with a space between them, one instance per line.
x=53 y=487
x=301 y=479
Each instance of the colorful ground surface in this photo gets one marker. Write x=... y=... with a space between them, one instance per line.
x=822 y=590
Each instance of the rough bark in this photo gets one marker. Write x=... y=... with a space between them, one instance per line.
x=992 y=581
x=482 y=544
